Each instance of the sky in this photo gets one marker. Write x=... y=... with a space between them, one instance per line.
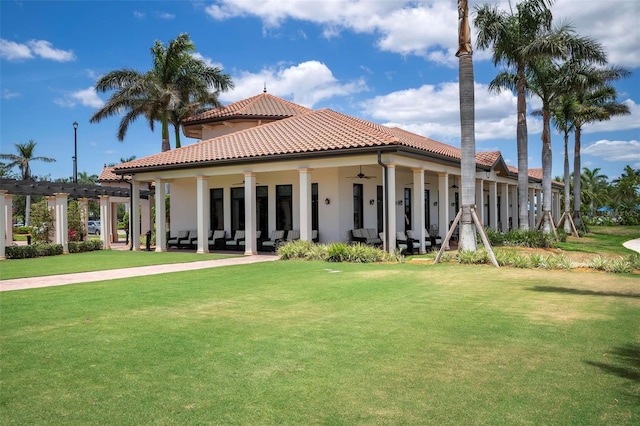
x=387 y=61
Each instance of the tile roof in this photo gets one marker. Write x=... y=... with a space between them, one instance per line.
x=488 y=158
x=107 y=175
x=262 y=105
x=316 y=131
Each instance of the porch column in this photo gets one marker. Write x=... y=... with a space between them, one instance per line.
x=113 y=223
x=8 y=217
x=504 y=207
x=134 y=219
x=417 y=221
x=480 y=200
x=62 y=236
x=305 y=204
x=443 y=205
x=514 y=206
x=202 y=216
x=104 y=221
x=161 y=217
x=3 y=222
x=83 y=204
x=532 y=204
x=391 y=207
x=539 y=209
x=493 y=204
x=250 y=213
x=51 y=206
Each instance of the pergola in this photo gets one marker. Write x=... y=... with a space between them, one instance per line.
x=58 y=194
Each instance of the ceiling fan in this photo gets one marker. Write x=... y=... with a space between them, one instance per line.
x=361 y=176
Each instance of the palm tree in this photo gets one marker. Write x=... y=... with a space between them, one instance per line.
x=23 y=159
x=177 y=78
x=627 y=186
x=550 y=80
x=597 y=103
x=85 y=178
x=467 y=128
x=594 y=188
x=516 y=40
x=561 y=114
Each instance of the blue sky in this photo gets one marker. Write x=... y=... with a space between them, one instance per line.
x=387 y=61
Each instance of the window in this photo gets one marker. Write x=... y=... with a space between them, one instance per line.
x=237 y=209
x=407 y=209
x=358 y=206
x=314 y=206
x=262 y=209
x=216 y=209
x=380 y=207
x=427 y=210
x=284 y=207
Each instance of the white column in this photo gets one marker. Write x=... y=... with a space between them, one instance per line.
x=8 y=217
x=391 y=205
x=514 y=206
x=134 y=219
x=539 y=209
x=3 y=222
x=443 y=204
x=83 y=204
x=51 y=205
x=480 y=200
x=556 y=206
x=532 y=204
x=250 y=213
x=105 y=212
x=504 y=206
x=493 y=204
x=62 y=236
x=417 y=221
x=161 y=217
x=113 y=223
x=202 y=216
x=305 y=204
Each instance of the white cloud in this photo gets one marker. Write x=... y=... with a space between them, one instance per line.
x=624 y=122
x=165 y=15
x=8 y=94
x=13 y=51
x=85 y=97
x=306 y=83
x=206 y=60
x=434 y=111
x=138 y=15
x=624 y=151
x=45 y=50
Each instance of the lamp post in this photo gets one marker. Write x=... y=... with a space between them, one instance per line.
x=75 y=152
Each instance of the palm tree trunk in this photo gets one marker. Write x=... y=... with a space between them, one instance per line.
x=546 y=172
x=577 y=217
x=176 y=129
x=567 y=187
x=166 y=144
x=523 y=165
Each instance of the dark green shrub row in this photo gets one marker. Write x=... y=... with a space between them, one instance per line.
x=84 y=246
x=336 y=252
x=521 y=238
x=35 y=250
x=21 y=230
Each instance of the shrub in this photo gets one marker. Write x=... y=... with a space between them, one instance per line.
x=21 y=230
x=599 y=263
x=336 y=252
x=618 y=266
x=634 y=260
x=496 y=238
x=20 y=252
x=558 y=262
x=473 y=257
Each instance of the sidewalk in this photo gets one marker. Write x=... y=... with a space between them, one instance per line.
x=633 y=245
x=112 y=274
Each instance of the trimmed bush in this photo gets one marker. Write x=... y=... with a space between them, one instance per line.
x=336 y=252
x=35 y=250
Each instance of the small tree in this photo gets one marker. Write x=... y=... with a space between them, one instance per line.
x=43 y=220
x=74 y=221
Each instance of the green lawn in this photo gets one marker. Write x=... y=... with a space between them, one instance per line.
x=603 y=239
x=323 y=343
x=94 y=261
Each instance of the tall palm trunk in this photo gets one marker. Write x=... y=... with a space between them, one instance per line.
x=567 y=187
x=577 y=217
x=166 y=144
x=467 y=128
x=521 y=137
x=546 y=171
x=176 y=131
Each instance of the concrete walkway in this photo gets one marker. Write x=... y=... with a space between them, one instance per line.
x=112 y=274
x=633 y=245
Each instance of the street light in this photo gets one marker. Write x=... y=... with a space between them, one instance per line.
x=75 y=152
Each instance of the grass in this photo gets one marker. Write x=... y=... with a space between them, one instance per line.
x=94 y=261
x=324 y=343
x=603 y=239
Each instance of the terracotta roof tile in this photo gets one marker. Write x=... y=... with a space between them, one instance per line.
x=107 y=175
x=487 y=158
x=262 y=105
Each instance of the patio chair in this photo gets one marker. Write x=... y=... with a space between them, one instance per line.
x=234 y=243
x=427 y=238
x=177 y=241
x=406 y=244
x=193 y=238
x=271 y=243
x=314 y=236
x=241 y=242
x=217 y=239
